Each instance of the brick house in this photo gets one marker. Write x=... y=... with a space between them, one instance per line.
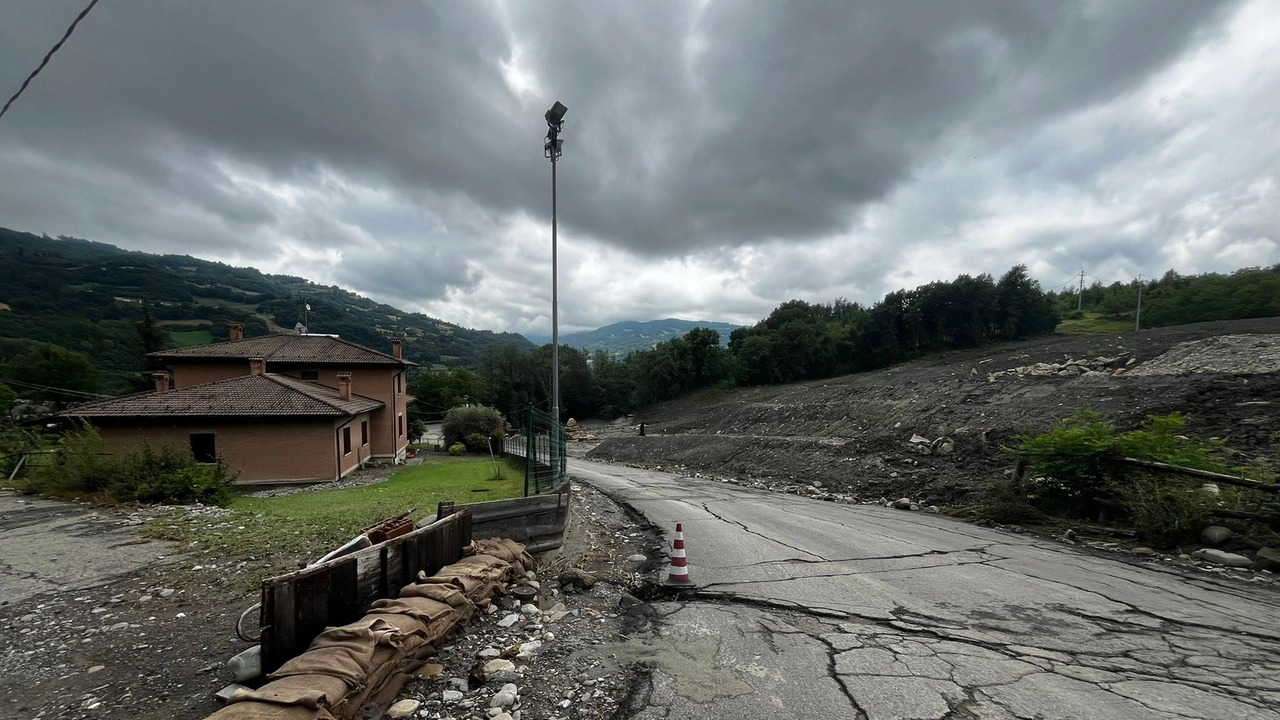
x=278 y=408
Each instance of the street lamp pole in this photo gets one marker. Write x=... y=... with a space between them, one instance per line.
x=552 y=149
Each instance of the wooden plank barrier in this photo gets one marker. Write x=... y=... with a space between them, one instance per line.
x=298 y=606
x=537 y=521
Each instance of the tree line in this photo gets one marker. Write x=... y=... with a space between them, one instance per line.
x=1180 y=299
x=797 y=341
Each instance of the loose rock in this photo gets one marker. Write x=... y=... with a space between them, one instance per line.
x=574 y=578
x=1215 y=535
x=1221 y=557
x=404 y=708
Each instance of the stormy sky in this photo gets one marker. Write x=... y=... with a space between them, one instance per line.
x=720 y=157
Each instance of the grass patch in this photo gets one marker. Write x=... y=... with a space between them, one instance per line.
x=310 y=524
x=188 y=338
x=1094 y=323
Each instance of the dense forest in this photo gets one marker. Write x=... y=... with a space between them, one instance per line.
x=90 y=299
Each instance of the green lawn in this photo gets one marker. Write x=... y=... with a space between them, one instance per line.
x=1094 y=323
x=187 y=338
x=312 y=523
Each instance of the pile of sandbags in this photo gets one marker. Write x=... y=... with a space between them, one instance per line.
x=370 y=660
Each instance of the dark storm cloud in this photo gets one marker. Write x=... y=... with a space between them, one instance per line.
x=688 y=127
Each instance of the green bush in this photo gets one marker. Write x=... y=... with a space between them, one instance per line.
x=476 y=442
x=468 y=420
x=457 y=449
x=1166 y=510
x=168 y=476
x=1075 y=471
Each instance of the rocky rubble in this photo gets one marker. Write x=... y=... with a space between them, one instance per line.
x=1097 y=367
x=552 y=659
x=1232 y=354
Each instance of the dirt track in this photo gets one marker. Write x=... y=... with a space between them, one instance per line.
x=853 y=433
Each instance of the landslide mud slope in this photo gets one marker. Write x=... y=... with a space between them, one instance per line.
x=853 y=433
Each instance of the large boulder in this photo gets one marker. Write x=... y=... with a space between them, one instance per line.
x=1215 y=535
x=1267 y=559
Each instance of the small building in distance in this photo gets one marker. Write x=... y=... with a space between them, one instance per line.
x=277 y=408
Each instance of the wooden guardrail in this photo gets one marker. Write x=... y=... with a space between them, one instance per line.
x=537 y=521
x=298 y=606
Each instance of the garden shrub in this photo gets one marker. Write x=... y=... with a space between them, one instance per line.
x=467 y=420
x=169 y=476
x=476 y=442
x=457 y=449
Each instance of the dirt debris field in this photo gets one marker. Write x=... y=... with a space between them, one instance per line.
x=582 y=666
x=852 y=434
x=142 y=629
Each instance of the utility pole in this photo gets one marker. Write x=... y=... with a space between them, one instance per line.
x=1080 y=295
x=1137 y=318
x=552 y=149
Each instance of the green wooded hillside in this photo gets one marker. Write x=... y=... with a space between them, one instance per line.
x=89 y=297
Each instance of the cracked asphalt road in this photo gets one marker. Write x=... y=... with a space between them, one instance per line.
x=830 y=610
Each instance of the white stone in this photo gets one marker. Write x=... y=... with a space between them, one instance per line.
x=404 y=708
x=509 y=620
x=637 y=558
x=499 y=665
x=489 y=653
x=529 y=609
x=504 y=698
x=450 y=696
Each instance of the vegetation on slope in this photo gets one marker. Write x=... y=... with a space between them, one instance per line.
x=89 y=298
x=1172 y=300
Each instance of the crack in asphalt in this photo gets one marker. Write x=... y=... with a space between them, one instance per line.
x=871 y=558
x=857 y=571
x=723 y=519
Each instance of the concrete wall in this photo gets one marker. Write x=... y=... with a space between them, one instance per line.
x=284 y=450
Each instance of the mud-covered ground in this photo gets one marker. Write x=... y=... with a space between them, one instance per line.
x=853 y=433
x=99 y=622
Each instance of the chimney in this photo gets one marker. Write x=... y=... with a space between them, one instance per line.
x=237 y=331
x=344 y=385
x=257 y=366
x=161 y=380
x=397 y=348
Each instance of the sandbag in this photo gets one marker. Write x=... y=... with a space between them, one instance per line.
x=343 y=652
x=313 y=691
x=270 y=711
x=505 y=549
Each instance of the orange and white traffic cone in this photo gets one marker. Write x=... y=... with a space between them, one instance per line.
x=678 y=573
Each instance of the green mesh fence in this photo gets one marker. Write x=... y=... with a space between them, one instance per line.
x=544 y=453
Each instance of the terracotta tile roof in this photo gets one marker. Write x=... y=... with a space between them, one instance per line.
x=244 y=396
x=318 y=349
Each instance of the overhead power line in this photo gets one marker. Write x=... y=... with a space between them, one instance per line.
x=48 y=55
x=48 y=388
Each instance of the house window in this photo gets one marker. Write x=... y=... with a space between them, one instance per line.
x=364 y=432
x=203 y=448
x=400 y=418
x=397 y=384
x=311 y=375
x=346 y=440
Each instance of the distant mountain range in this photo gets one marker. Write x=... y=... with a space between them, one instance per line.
x=623 y=337
x=88 y=297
